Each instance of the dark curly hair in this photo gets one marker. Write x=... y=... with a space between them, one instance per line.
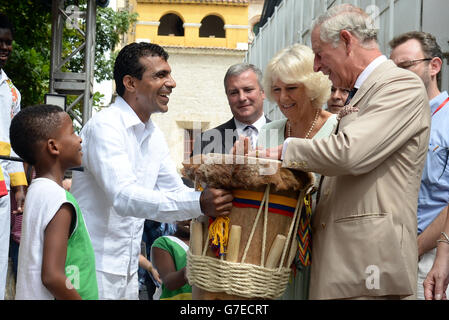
x=33 y=125
x=127 y=61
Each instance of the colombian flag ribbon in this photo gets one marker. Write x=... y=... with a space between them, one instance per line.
x=252 y=199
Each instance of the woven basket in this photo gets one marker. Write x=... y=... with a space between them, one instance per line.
x=238 y=279
x=265 y=213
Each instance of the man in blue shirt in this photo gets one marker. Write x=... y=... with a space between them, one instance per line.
x=420 y=53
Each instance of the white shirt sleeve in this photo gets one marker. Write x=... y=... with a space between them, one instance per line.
x=150 y=190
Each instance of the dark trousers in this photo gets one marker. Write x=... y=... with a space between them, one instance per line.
x=14 y=255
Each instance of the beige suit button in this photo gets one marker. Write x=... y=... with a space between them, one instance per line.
x=323 y=225
x=326 y=192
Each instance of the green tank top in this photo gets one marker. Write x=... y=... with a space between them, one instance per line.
x=177 y=250
x=80 y=261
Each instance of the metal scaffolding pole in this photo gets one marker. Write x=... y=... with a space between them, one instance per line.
x=71 y=83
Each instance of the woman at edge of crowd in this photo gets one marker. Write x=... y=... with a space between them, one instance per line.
x=300 y=94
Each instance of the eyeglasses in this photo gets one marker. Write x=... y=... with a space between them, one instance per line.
x=408 y=64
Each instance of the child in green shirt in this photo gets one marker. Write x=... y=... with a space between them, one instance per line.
x=56 y=258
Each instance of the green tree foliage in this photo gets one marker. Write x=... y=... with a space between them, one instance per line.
x=29 y=65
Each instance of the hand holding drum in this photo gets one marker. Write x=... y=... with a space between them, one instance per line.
x=216 y=202
x=241 y=147
x=274 y=153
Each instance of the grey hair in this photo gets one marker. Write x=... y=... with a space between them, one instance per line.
x=350 y=18
x=239 y=68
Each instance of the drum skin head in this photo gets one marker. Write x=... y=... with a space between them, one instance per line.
x=227 y=171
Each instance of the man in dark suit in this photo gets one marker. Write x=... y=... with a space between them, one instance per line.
x=243 y=86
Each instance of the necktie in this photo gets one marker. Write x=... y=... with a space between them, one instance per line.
x=351 y=95
x=249 y=131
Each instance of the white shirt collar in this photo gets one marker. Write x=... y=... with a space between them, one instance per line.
x=141 y=130
x=368 y=70
x=258 y=124
x=130 y=116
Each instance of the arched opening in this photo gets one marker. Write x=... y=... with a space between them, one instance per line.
x=171 y=25
x=254 y=23
x=212 y=26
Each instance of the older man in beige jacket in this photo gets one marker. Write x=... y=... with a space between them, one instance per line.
x=364 y=228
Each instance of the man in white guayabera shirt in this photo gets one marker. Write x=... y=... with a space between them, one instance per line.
x=128 y=174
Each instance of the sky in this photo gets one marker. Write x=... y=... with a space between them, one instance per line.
x=105 y=87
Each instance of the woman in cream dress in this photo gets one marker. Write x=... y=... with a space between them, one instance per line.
x=300 y=93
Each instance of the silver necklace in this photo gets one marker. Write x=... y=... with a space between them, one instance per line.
x=289 y=129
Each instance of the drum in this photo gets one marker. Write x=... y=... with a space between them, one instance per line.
x=248 y=254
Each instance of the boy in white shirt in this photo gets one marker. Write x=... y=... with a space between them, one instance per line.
x=56 y=259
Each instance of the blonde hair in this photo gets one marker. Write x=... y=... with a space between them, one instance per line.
x=294 y=64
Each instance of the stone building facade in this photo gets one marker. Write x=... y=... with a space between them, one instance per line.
x=203 y=39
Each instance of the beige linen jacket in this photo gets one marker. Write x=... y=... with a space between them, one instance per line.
x=364 y=227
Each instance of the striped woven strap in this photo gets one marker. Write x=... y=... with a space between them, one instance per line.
x=304 y=234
